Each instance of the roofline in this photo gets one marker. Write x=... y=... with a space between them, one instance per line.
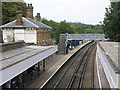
x=21 y=26
x=7 y=23
x=12 y=1
x=47 y=27
x=24 y=27
x=30 y=22
x=18 y=27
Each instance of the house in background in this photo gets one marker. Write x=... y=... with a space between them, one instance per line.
x=27 y=29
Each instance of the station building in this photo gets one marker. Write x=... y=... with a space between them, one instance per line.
x=27 y=48
x=27 y=29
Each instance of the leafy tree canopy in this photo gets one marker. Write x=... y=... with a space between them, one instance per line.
x=9 y=14
x=111 y=23
x=9 y=10
x=71 y=28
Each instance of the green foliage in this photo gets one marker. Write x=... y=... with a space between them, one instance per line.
x=55 y=26
x=58 y=28
x=9 y=10
x=89 y=30
x=111 y=23
x=71 y=28
x=9 y=14
x=65 y=28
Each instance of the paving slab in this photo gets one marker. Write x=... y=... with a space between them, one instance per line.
x=112 y=50
x=14 y=56
x=103 y=78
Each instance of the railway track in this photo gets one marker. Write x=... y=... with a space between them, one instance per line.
x=73 y=74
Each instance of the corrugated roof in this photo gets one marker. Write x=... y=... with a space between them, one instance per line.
x=27 y=23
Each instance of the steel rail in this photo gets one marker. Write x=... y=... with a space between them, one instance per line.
x=68 y=62
x=66 y=70
x=83 y=74
x=77 y=55
x=77 y=69
x=92 y=78
x=86 y=50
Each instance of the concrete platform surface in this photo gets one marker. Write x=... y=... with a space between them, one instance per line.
x=112 y=49
x=108 y=53
x=103 y=82
x=13 y=56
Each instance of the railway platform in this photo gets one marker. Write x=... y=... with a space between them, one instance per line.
x=40 y=77
x=108 y=57
x=47 y=75
x=14 y=63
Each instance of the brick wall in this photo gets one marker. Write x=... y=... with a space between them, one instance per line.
x=12 y=45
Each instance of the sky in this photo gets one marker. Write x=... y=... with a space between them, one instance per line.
x=84 y=11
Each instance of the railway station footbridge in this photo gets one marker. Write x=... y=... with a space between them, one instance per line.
x=85 y=37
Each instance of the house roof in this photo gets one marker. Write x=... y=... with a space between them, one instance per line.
x=12 y=1
x=27 y=23
x=41 y=25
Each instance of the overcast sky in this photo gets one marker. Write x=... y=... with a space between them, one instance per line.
x=85 y=11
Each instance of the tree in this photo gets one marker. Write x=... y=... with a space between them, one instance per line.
x=71 y=28
x=62 y=28
x=89 y=31
x=55 y=32
x=58 y=28
x=65 y=28
x=111 y=23
x=9 y=10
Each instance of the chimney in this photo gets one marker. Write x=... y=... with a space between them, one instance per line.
x=38 y=17
x=19 y=17
x=29 y=11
